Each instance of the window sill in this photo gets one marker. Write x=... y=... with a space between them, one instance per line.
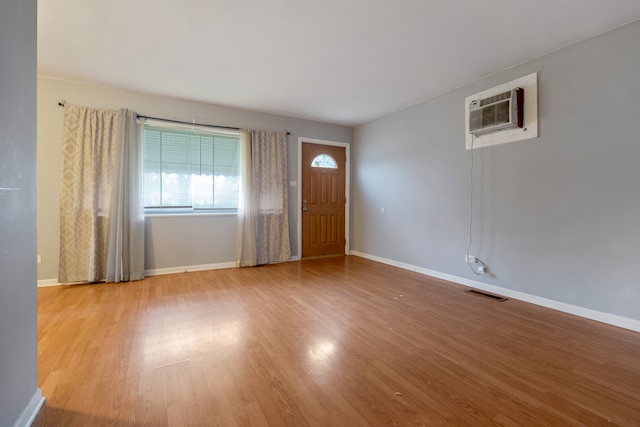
x=188 y=214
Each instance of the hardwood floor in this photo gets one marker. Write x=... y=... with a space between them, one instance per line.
x=328 y=342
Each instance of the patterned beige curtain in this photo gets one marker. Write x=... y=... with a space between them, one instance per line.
x=263 y=223
x=93 y=150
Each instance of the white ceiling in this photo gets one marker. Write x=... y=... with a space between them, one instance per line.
x=340 y=61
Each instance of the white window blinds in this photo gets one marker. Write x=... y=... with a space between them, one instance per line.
x=190 y=168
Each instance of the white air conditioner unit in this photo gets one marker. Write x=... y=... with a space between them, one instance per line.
x=496 y=113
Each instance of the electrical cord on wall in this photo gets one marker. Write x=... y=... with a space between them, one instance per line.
x=481 y=268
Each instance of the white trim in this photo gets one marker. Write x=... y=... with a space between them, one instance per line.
x=171 y=124
x=154 y=272
x=611 y=319
x=189 y=268
x=48 y=282
x=54 y=282
x=162 y=271
x=347 y=186
x=29 y=414
x=530 y=128
x=189 y=213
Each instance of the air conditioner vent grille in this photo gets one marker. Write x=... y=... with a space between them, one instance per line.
x=495 y=98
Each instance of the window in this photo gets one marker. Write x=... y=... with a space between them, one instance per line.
x=187 y=169
x=324 y=161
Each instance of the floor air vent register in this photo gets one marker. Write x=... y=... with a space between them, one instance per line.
x=487 y=295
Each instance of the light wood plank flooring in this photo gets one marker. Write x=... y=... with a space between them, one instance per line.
x=328 y=342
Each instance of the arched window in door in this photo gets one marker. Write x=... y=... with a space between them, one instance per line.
x=324 y=161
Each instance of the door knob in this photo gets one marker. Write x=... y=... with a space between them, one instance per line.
x=305 y=209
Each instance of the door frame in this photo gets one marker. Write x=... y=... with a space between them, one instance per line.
x=347 y=186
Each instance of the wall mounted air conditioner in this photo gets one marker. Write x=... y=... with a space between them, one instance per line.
x=497 y=113
x=500 y=115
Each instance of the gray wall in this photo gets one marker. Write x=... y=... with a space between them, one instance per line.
x=18 y=301
x=171 y=241
x=556 y=217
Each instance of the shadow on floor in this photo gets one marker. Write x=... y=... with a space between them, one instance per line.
x=54 y=417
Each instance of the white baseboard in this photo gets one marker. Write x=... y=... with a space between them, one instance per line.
x=189 y=268
x=155 y=272
x=170 y=270
x=30 y=413
x=611 y=319
x=48 y=282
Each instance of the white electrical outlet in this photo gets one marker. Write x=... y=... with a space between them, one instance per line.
x=470 y=258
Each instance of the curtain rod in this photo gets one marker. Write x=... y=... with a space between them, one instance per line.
x=195 y=124
x=64 y=103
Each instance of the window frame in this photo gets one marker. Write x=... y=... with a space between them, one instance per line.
x=334 y=164
x=179 y=127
